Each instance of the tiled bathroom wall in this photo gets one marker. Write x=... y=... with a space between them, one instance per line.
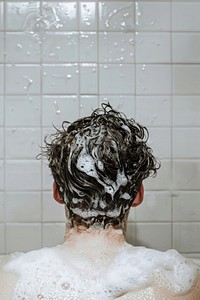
x=61 y=59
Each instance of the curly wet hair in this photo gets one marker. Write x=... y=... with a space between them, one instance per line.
x=98 y=163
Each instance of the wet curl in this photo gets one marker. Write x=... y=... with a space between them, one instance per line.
x=98 y=163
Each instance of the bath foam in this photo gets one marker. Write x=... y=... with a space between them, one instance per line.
x=62 y=273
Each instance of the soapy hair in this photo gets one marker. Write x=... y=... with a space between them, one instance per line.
x=98 y=163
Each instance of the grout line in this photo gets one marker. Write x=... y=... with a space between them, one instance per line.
x=41 y=128
x=171 y=171
x=4 y=123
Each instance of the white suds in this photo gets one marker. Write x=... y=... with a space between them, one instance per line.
x=63 y=273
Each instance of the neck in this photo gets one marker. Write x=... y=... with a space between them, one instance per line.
x=110 y=235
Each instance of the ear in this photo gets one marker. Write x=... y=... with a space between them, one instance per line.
x=139 y=197
x=56 y=194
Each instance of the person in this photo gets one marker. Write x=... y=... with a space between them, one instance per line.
x=98 y=165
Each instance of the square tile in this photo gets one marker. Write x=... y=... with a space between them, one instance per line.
x=60 y=47
x=60 y=79
x=16 y=105
x=53 y=234
x=189 y=116
x=186 y=237
x=22 y=16
x=122 y=103
x=115 y=15
x=22 y=79
x=186 y=79
x=22 y=237
x=88 y=79
x=116 y=47
x=152 y=16
x=186 y=206
x=21 y=48
x=23 y=207
x=88 y=46
x=156 y=207
x=117 y=79
x=56 y=109
x=87 y=105
x=62 y=16
x=51 y=210
x=153 y=110
x=22 y=175
x=22 y=142
x=160 y=141
x=185 y=47
x=162 y=181
x=185 y=16
x=185 y=143
x=47 y=178
x=153 y=79
x=88 y=16
x=154 y=235
x=185 y=174
x=153 y=47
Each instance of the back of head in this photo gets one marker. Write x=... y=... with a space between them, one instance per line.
x=98 y=163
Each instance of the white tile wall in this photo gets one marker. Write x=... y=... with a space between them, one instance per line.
x=61 y=59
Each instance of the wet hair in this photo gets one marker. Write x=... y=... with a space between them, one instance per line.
x=98 y=163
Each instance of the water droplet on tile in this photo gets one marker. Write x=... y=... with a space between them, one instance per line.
x=153 y=22
x=131 y=42
x=105 y=67
x=69 y=76
x=28 y=53
x=28 y=83
x=115 y=44
x=45 y=73
x=123 y=24
x=143 y=67
x=81 y=105
x=19 y=46
x=126 y=15
x=36 y=108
